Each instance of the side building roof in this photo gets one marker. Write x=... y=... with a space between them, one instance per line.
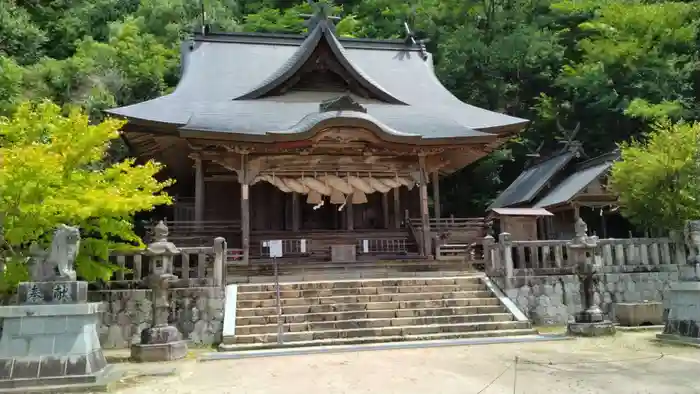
x=229 y=81
x=585 y=174
x=532 y=180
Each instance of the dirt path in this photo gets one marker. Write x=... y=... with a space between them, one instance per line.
x=626 y=364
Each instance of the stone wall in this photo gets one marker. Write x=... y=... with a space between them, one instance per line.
x=197 y=312
x=552 y=299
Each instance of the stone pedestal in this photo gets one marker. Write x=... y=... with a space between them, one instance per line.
x=50 y=341
x=159 y=344
x=635 y=314
x=343 y=253
x=591 y=329
x=682 y=313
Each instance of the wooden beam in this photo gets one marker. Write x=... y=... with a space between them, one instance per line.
x=198 y=190
x=436 y=194
x=424 y=215
x=385 y=210
x=243 y=177
x=397 y=207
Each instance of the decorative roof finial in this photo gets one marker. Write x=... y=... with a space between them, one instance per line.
x=321 y=13
x=412 y=41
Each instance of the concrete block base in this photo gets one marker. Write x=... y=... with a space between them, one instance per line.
x=50 y=345
x=159 y=352
x=599 y=329
x=101 y=382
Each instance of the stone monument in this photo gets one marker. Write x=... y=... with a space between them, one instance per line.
x=681 y=310
x=591 y=320
x=161 y=341
x=49 y=341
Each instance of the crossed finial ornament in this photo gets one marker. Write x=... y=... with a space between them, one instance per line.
x=321 y=13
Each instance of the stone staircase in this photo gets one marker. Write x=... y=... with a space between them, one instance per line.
x=366 y=311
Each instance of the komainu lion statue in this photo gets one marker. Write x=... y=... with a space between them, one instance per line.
x=692 y=241
x=57 y=263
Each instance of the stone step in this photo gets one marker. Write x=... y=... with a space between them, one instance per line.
x=271 y=294
x=389 y=338
x=372 y=323
x=352 y=299
x=364 y=306
x=344 y=284
x=378 y=332
x=371 y=314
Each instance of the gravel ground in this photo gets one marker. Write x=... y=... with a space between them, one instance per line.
x=629 y=363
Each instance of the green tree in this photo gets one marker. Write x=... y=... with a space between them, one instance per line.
x=658 y=179
x=52 y=172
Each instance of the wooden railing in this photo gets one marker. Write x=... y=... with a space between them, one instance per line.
x=304 y=247
x=415 y=234
x=382 y=246
x=450 y=223
x=193 y=233
x=448 y=252
x=521 y=258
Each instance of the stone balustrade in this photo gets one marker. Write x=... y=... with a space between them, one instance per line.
x=539 y=275
x=195 y=267
x=512 y=259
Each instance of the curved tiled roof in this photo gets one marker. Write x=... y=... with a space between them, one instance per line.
x=223 y=72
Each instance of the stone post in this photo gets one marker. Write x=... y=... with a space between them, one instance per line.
x=506 y=258
x=681 y=312
x=219 y=262
x=490 y=263
x=590 y=321
x=161 y=341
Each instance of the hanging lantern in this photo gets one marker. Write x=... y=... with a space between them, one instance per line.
x=359 y=197
x=337 y=197
x=313 y=197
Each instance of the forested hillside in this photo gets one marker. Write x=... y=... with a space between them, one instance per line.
x=612 y=65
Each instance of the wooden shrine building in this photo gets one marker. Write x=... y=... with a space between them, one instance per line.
x=289 y=136
x=553 y=191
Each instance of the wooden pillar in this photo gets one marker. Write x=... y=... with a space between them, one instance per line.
x=397 y=207
x=424 y=214
x=245 y=208
x=385 y=210
x=296 y=212
x=198 y=191
x=350 y=215
x=436 y=194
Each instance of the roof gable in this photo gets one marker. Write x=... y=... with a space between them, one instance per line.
x=321 y=52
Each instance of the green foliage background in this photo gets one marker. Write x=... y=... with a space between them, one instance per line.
x=615 y=66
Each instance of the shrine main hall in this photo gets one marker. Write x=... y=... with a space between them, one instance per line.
x=308 y=137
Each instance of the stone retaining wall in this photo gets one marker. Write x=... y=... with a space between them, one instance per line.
x=553 y=299
x=197 y=312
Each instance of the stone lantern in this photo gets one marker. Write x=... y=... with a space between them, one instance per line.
x=590 y=321
x=161 y=341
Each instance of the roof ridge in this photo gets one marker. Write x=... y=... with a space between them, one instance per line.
x=605 y=157
x=295 y=39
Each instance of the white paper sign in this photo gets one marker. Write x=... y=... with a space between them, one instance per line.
x=275 y=248
x=302 y=247
x=365 y=246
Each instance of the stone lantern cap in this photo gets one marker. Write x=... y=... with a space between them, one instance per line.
x=161 y=246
